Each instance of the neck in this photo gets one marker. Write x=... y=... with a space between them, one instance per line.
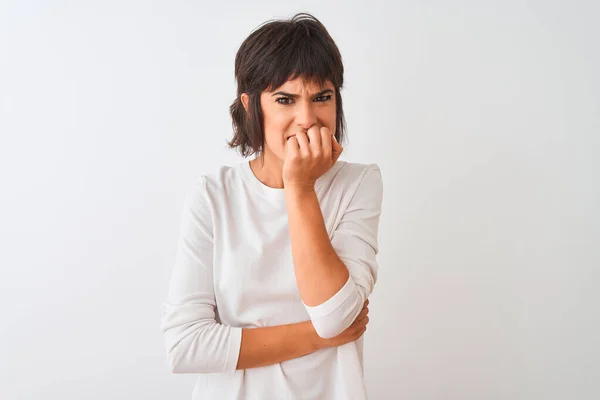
x=268 y=169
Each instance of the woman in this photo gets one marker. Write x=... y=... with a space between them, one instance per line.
x=277 y=256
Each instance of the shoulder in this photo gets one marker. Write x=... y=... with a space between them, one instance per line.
x=349 y=176
x=359 y=171
x=220 y=179
x=349 y=186
x=213 y=184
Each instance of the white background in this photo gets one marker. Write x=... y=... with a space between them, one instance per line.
x=483 y=116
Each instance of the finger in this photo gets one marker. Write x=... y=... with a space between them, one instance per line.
x=366 y=302
x=364 y=312
x=361 y=316
x=335 y=145
x=314 y=138
x=326 y=143
x=303 y=144
x=336 y=148
x=365 y=315
x=292 y=147
x=360 y=323
x=363 y=324
x=361 y=332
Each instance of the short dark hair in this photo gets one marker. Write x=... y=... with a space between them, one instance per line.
x=275 y=52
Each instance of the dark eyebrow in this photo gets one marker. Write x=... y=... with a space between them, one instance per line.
x=295 y=96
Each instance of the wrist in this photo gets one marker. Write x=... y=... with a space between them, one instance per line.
x=314 y=340
x=299 y=189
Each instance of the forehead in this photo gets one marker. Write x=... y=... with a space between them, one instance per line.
x=302 y=85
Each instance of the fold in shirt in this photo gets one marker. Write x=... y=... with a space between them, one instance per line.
x=337 y=313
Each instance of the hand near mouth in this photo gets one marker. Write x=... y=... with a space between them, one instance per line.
x=308 y=156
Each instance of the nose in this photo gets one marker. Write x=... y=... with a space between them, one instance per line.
x=306 y=115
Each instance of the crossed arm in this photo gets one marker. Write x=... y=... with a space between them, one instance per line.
x=334 y=276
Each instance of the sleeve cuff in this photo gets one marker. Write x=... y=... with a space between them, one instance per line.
x=333 y=303
x=233 y=351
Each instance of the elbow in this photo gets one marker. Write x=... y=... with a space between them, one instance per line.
x=180 y=361
x=335 y=315
x=178 y=367
x=194 y=351
x=201 y=348
x=330 y=329
x=178 y=364
x=174 y=365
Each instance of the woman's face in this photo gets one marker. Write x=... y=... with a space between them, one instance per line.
x=294 y=107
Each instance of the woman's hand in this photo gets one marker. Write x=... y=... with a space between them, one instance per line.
x=355 y=331
x=308 y=156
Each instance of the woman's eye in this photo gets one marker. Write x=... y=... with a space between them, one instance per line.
x=284 y=102
x=288 y=101
x=328 y=97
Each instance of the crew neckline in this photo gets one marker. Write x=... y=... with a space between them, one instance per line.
x=274 y=194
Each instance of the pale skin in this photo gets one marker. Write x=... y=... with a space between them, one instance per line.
x=300 y=146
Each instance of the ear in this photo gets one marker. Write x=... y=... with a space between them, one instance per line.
x=245 y=98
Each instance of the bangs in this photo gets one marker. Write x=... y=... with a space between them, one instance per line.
x=304 y=56
x=300 y=49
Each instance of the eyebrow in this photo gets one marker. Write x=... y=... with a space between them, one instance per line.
x=295 y=96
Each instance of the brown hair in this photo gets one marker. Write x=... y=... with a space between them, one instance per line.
x=277 y=51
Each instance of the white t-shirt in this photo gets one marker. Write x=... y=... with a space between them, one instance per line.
x=234 y=270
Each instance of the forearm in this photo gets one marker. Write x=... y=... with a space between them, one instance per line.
x=275 y=344
x=319 y=271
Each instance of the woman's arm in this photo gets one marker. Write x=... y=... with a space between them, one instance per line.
x=201 y=350
x=195 y=342
x=319 y=271
x=275 y=344
x=335 y=276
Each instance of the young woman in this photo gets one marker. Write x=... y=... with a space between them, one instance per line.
x=277 y=255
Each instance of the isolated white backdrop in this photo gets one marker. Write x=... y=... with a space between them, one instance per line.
x=484 y=118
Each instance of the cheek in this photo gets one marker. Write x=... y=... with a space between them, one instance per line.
x=277 y=121
x=276 y=125
x=328 y=117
